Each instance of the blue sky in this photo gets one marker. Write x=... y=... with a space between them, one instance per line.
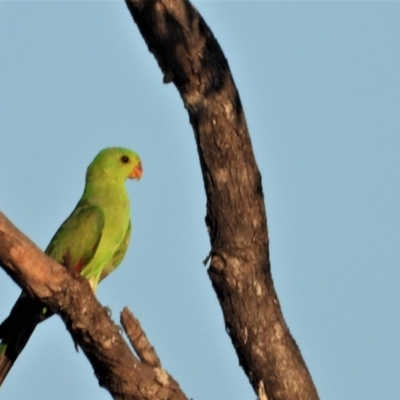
x=320 y=85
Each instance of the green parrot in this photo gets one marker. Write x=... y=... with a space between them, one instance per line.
x=92 y=241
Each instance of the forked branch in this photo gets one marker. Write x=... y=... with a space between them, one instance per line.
x=117 y=369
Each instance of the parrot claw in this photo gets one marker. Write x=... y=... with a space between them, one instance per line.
x=67 y=261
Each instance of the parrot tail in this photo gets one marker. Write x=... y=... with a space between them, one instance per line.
x=10 y=350
x=16 y=330
x=5 y=363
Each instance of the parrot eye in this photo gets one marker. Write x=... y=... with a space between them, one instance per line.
x=125 y=159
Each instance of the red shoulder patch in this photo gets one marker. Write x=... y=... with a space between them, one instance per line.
x=79 y=266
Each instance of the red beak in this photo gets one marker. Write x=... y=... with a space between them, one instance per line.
x=137 y=172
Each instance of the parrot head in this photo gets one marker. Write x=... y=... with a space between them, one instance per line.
x=116 y=163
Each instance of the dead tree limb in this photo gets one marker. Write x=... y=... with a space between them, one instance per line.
x=191 y=58
x=117 y=369
x=138 y=339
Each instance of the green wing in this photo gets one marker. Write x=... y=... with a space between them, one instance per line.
x=77 y=239
x=118 y=255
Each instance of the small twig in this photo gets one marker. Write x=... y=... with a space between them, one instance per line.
x=207 y=259
x=138 y=339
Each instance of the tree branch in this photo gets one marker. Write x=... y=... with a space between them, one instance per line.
x=138 y=339
x=191 y=58
x=70 y=296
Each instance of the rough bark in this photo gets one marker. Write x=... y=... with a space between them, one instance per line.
x=138 y=339
x=190 y=57
x=117 y=369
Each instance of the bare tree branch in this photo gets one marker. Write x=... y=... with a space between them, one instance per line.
x=139 y=340
x=70 y=296
x=191 y=58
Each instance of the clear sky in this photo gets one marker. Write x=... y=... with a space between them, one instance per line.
x=320 y=85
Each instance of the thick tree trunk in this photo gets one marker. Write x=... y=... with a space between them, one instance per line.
x=191 y=58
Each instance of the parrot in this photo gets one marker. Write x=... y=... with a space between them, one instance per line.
x=92 y=242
